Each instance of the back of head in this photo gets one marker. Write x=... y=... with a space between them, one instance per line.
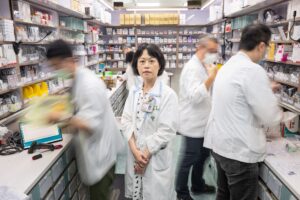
x=59 y=49
x=129 y=57
x=253 y=35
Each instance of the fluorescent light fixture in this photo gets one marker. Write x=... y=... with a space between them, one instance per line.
x=207 y=4
x=157 y=4
x=156 y=9
x=106 y=4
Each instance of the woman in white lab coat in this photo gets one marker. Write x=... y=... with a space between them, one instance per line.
x=149 y=124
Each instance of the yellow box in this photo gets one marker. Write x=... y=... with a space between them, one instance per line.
x=122 y=19
x=147 y=18
x=131 y=19
x=138 y=19
x=126 y=19
x=271 y=51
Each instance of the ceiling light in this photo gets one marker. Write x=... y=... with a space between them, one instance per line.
x=207 y=4
x=156 y=9
x=106 y=4
x=148 y=4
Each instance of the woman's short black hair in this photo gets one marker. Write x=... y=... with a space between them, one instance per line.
x=153 y=51
x=254 y=34
x=129 y=57
x=59 y=49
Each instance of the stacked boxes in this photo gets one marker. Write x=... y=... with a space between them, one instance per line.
x=154 y=19
x=7 y=30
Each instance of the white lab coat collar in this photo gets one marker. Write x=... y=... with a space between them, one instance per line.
x=156 y=90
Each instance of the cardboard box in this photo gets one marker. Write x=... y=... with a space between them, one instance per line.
x=122 y=19
x=127 y=19
x=138 y=19
x=131 y=19
x=147 y=18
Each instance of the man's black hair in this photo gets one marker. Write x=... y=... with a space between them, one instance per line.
x=129 y=57
x=253 y=35
x=59 y=49
x=153 y=51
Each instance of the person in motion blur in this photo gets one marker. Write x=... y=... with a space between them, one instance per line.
x=98 y=140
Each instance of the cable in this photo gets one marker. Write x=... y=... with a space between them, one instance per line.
x=16 y=45
x=292 y=28
x=13 y=145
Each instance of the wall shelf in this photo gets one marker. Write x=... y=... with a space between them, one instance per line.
x=257 y=7
x=289 y=107
x=34 y=24
x=280 y=62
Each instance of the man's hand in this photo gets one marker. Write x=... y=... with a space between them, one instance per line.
x=275 y=86
x=212 y=70
x=54 y=117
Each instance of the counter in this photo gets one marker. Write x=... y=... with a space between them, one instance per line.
x=280 y=172
x=54 y=176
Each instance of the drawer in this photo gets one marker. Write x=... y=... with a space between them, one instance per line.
x=261 y=190
x=268 y=196
x=83 y=192
x=72 y=187
x=71 y=170
x=59 y=187
x=50 y=196
x=57 y=169
x=274 y=185
x=286 y=194
x=264 y=173
x=45 y=184
x=70 y=154
x=75 y=197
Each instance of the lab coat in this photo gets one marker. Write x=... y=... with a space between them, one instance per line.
x=96 y=153
x=242 y=102
x=131 y=79
x=159 y=129
x=194 y=99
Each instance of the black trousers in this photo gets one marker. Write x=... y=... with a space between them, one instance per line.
x=193 y=154
x=236 y=180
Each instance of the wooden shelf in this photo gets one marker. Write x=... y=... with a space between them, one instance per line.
x=287 y=83
x=114 y=51
x=37 y=81
x=9 y=66
x=56 y=7
x=113 y=69
x=190 y=34
x=115 y=60
x=256 y=7
x=70 y=29
x=186 y=43
x=8 y=90
x=280 y=23
x=280 y=62
x=31 y=63
x=34 y=24
x=6 y=42
x=282 y=41
x=156 y=35
x=289 y=107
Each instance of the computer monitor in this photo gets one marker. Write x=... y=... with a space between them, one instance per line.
x=43 y=134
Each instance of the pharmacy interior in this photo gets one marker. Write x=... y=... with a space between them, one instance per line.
x=98 y=32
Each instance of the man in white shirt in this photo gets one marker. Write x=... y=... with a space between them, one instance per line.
x=242 y=102
x=98 y=140
x=194 y=106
